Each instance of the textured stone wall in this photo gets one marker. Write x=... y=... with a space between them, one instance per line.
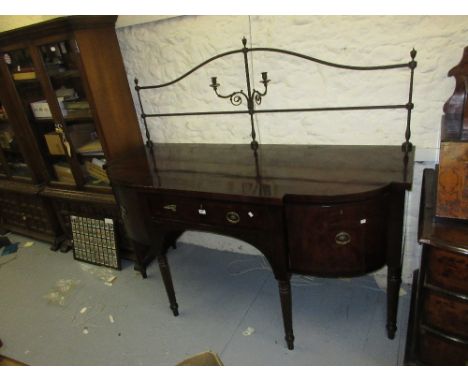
x=161 y=51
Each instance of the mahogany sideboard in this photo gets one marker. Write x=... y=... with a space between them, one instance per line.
x=328 y=211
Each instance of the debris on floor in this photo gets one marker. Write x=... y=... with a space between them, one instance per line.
x=83 y=310
x=85 y=330
x=9 y=249
x=59 y=292
x=28 y=244
x=248 y=332
x=110 y=280
x=111 y=318
x=104 y=274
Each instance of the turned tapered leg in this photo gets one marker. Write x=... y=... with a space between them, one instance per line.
x=393 y=292
x=166 y=275
x=286 y=308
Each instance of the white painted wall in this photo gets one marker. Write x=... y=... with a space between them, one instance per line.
x=162 y=50
x=13 y=22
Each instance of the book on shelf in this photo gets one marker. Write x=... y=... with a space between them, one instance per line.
x=96 y=170
x=92 y=147
x=19 y=76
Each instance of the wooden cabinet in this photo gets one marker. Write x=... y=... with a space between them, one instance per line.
x=452 y=187
x=336 y=237
x=438 y=329
x=66 y=94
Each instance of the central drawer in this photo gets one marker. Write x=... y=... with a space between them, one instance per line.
x=205 y=211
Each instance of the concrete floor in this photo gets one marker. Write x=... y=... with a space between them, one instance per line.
x=228 y=303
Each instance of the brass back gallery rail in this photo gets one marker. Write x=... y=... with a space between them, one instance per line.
x=253 y=96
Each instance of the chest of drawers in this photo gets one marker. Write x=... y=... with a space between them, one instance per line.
x=438 y=330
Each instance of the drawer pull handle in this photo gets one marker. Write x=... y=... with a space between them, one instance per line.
x=171 y=207
x=342 y=238
x=233 y=217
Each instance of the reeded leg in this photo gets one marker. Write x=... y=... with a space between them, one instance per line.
x=393 y=291
x=166 y=275
x=286 y=308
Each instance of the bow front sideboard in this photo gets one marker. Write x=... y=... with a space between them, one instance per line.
x=330 y=211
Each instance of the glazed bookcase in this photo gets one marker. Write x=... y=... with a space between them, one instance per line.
x=66 y=109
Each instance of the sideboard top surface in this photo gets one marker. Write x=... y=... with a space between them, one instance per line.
x=277 y=171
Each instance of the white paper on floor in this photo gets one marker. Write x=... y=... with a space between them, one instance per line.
x=62 y=288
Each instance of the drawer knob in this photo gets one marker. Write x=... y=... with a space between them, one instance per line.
x=342 y=238
x=233 y=217
x=171 y=207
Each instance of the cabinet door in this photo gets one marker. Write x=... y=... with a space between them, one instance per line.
x=71 y=101
x=12 y=162
x=50 y=85
x=338 y=239
x=30 y=97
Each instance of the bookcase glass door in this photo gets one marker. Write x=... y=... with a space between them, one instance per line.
x=64 y=69
x=12 y=163
x=30 y=91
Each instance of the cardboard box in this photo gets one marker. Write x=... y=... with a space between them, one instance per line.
x=54 y=144
x=203 y=359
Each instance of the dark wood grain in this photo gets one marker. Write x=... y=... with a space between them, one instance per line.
x=455 y=119
x=452 y=190
x=440 y=309
x=293 y=172
x=315 y=244
x=439 y=321
x=318 y=210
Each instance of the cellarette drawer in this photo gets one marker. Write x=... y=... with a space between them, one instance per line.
x=338 y=239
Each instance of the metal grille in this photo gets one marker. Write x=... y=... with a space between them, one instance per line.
x=94 y=241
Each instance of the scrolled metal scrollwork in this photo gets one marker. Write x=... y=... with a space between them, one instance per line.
x=236 y=97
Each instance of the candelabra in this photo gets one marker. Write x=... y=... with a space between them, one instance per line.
x=236 y=97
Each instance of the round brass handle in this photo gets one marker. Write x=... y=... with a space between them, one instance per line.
x=342 y=238
x=233 y=217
